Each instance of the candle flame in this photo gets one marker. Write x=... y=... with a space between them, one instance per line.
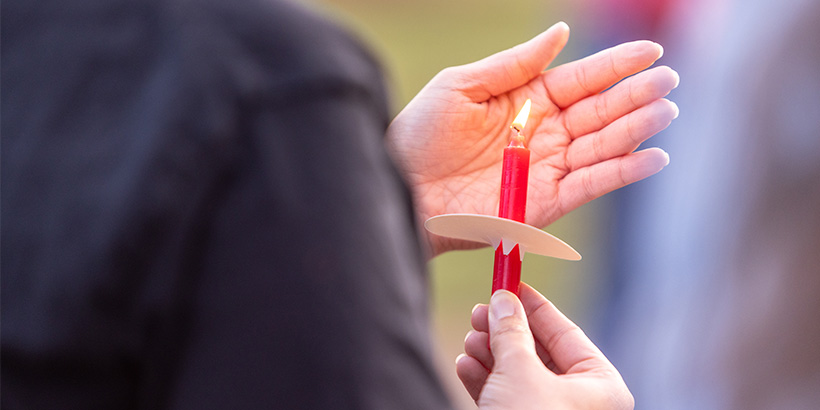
x=521 y=119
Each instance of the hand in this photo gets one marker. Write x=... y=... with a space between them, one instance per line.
x=549 y=363
x=450 y=138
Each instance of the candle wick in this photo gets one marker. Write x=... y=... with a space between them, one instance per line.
x=518 y=139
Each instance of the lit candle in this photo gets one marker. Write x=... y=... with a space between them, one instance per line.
x=513 y=202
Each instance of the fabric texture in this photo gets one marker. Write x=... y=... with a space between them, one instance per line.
x=198 y=212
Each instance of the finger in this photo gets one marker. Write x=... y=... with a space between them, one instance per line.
x=595 y=112
x=472 y=374
x=477 y=346
x=480 y=324
x=571 y=82
x=478 y=319
x=622 y=136
x=511 y=341
x=545 y=357
x=512 y=68
x=569 y=348
x=585 y=184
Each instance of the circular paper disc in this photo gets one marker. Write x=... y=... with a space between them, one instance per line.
x=493 y=230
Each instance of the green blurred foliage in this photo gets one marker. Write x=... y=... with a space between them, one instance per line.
x=415 y=40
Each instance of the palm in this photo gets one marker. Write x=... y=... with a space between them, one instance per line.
x=450 y=138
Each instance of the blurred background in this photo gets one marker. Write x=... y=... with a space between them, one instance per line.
x=702 y=283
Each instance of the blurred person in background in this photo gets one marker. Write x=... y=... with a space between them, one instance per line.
x=199 y=209
x=717 y=287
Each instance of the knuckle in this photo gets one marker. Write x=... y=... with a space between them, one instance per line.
x=446 y=75
x=512 y=329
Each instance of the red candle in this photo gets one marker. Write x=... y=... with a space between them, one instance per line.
x=513 y=203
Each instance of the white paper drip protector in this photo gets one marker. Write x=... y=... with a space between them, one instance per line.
x=495 y=231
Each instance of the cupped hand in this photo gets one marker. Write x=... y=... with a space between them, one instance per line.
x=530 y=355
x=449 y=139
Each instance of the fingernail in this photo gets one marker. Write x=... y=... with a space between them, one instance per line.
x=502 y=304
x=475 y=307
x=459 y=357
x=562 y=24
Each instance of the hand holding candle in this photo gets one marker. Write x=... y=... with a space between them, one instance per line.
x=501 y=367
x=583 y=139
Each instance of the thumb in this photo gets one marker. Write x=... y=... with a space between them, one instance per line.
x=514 y=67
x=511 y=340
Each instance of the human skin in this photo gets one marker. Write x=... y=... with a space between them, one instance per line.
x=527 y=354
x=448 y=140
